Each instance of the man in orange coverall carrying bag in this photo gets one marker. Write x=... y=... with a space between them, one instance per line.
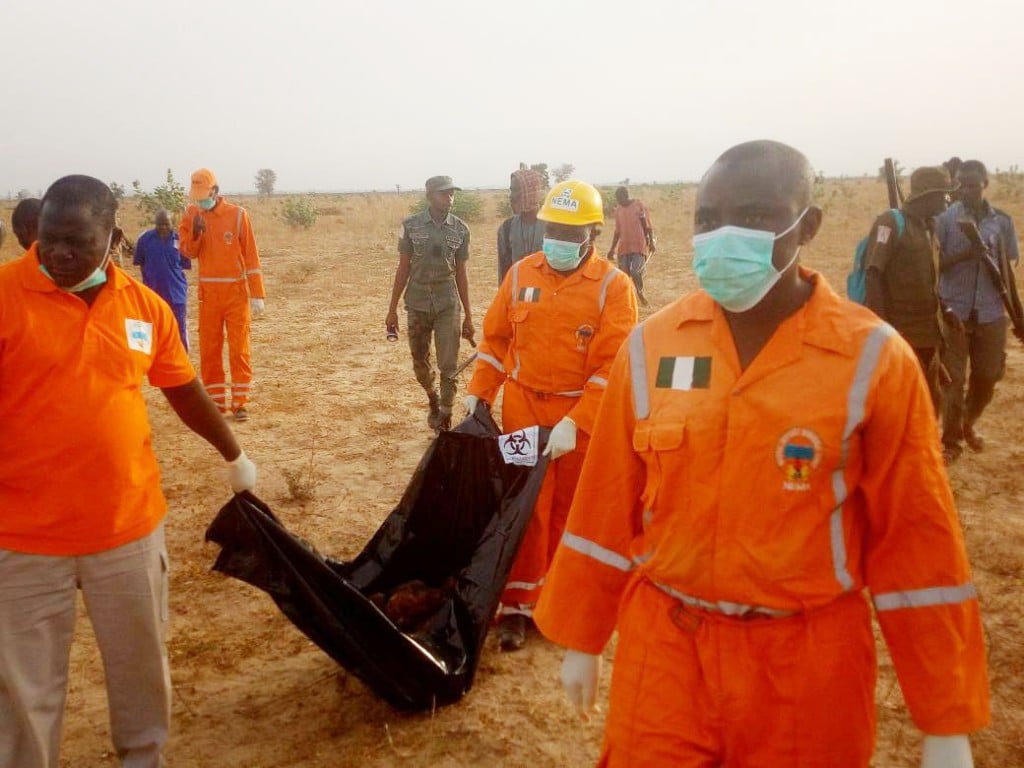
x=219 y=234
x=765 y=455
x=550 y=337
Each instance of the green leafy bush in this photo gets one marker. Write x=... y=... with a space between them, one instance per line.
x=169 y=196
x=299 y=212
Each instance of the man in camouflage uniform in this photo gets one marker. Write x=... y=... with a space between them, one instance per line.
x=432 y=255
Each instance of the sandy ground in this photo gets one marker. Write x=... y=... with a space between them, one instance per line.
x=338 y=416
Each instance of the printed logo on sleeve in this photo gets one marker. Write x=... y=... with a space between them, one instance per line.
x=883 y=234
x=139 y=334
x=684 y=373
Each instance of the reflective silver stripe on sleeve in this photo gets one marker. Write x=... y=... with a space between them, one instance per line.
x=601 y=381
x=604 y=287
x=923 y=598
x=221 y=279
x=570 y=393
x=254 y=272
x=855 y=404
x=638 y=373
x=490 y=359
x=596 y=551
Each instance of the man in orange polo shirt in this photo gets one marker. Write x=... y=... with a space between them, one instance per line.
x=549 y=339
x=219 y=235
x=765 y=454
x=79 y=484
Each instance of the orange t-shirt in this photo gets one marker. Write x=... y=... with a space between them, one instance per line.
x=77 y=470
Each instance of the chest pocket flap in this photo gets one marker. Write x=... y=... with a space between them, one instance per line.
x=658 y=437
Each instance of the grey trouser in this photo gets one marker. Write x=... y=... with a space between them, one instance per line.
x=445 y=327
x=634 y=265
x=125 y=592
x=984 y=346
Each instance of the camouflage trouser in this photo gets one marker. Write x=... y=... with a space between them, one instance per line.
x=445 y=325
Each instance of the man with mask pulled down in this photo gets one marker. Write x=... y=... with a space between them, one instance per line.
x=80 y=494
x=549 y=339
x=765 y=460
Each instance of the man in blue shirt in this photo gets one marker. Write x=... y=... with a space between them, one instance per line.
x=163 y=267
x=968 y=288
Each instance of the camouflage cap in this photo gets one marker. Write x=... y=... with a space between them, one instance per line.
x=441 y=184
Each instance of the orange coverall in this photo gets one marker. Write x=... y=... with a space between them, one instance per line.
x=730 y=523
x=550 y=339
x=229 y=275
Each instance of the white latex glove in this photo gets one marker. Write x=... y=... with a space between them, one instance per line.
x=946 y=752
x=257 y=307
x=242 y=474
x=580 y=672
x=562 y=439
x=470 y=401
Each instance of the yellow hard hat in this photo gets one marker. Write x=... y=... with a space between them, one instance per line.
x=572 y=202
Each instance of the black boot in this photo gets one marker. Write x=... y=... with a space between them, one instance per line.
x=512 y=631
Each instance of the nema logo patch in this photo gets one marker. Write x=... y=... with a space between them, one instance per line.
x=564 y=202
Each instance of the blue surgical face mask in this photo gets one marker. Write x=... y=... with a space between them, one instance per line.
x=97 y=277
x=734 y=264
x=207 y=203
x=564 y=255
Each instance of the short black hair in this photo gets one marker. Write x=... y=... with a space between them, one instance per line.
x=26 y=213
x=83 y=190
x=787 y=163
x=974 y=166
x=622 y=191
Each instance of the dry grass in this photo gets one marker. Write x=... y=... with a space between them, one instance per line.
x=251 y=691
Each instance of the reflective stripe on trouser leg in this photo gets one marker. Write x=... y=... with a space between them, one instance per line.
x=421 y=325
x=37 y=619
x=238 y=320
x=125 y=591
x=447 y=332
x=690 y=687
x=211 y=339
x=547 y=524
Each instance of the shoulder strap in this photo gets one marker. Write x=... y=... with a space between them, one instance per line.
x=901 y=222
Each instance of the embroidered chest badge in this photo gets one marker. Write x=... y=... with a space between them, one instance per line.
x=583 y=336
x=531 y=295
x=798 y=454
x=228 y=238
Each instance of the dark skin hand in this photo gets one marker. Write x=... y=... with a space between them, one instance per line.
x=762 y=185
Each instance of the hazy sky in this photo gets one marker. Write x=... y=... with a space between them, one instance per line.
x=341 y=95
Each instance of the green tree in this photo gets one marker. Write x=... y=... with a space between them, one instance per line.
x=265 y=181
x=118 y=190
x=170 y=195
x=563 y=172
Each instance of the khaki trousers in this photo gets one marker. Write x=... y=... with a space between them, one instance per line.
x=125 y=592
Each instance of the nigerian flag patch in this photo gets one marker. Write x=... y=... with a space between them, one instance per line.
x=529 y=294
x=684 y=373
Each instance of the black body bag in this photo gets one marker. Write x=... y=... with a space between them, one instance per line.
x=447 y=548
